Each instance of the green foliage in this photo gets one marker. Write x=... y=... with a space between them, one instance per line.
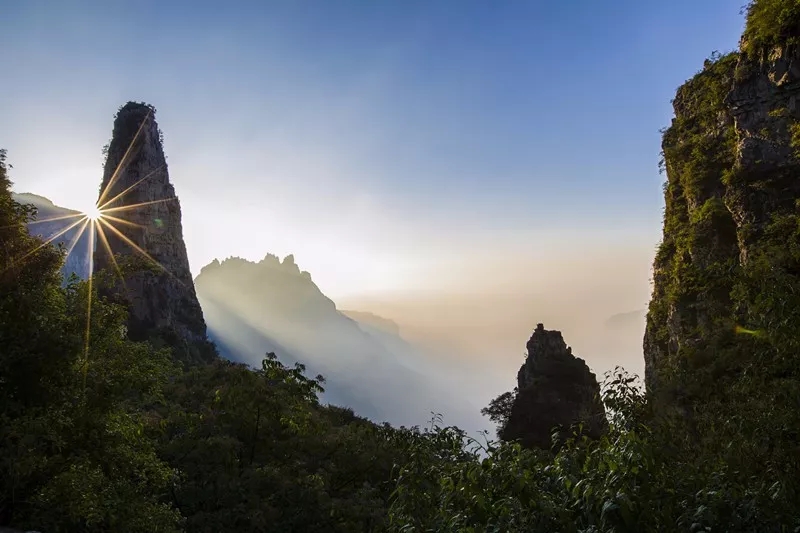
x=771 y=23
x=257 y=452
x=643 y=475
x=499 y=409
x=74 y=455
x=794 y=132
x=30 y=306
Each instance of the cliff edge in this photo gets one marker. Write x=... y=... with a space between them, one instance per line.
x=729 y=260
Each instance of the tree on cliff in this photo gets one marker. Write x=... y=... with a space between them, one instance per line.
x=499 y=409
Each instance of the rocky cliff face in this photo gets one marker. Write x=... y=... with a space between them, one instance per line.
x=554 y=388
x=729 y=260
x=142 y=220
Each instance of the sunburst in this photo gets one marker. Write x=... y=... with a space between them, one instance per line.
x=104 y=216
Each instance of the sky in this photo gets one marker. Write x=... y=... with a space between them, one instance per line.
x=402 y=150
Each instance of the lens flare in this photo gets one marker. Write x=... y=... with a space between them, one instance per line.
x=744 y=331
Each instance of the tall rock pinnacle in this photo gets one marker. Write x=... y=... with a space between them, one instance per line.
x=139 y=201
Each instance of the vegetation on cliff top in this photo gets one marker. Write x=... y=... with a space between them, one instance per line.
x=771 y=23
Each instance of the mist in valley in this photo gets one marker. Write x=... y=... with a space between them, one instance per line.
x=400 y=356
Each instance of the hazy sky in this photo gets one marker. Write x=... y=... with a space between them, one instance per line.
x=390 y=145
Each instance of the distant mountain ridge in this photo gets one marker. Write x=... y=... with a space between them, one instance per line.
x=37 y=200
x=271 y=305
x=373 y=321
x=630 y=319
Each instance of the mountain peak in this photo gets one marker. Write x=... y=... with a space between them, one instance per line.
x=270 y=262
x=273 y=280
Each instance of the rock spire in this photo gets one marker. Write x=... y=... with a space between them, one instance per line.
x=554 y=389
x=142 y=225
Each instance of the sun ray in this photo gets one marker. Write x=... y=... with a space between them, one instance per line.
x=123 y=162
x=125 y=238
x=136 y=247
x=58 y=234
x=77 y=237
x=88 y=306
x=45 y=243
x=51 y=219
x=121 y=221
x=126 y=191
x=101 y=232
x=134 y=206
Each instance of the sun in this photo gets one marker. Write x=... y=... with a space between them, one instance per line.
x=94 y=213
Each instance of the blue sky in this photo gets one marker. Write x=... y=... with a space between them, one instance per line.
x=385 y=143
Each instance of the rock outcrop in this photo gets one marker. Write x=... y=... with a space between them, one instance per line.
x=142 y=220
x=730 y=223
x=554 y=389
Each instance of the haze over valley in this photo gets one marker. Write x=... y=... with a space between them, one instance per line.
x=454 y=347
